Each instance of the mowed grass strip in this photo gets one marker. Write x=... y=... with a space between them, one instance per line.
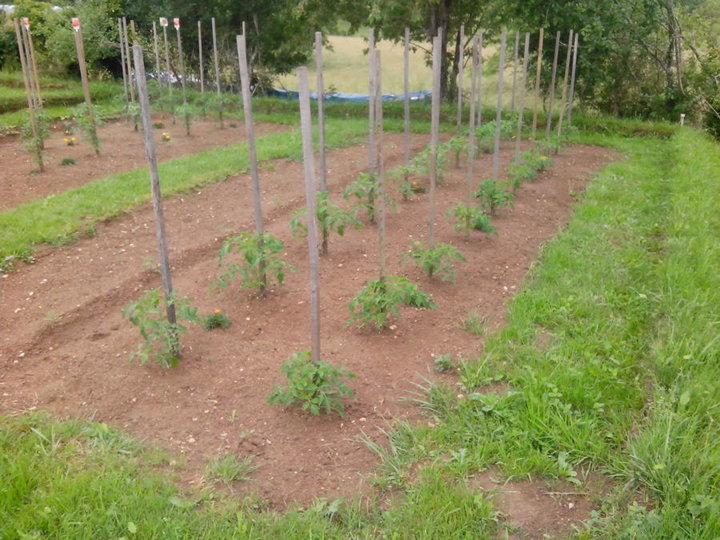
x=58 y=218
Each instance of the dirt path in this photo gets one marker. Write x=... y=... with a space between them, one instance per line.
x=64 y=345
x=121 y=150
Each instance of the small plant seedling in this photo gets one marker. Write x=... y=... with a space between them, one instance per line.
x=332 y=219
x=474 y=324
x=519 y=173
x=435 y=260
x=133 y=113
x=364 y=192
x=88 y=125
x=187 y=111
x=443 y=363
x=158 y=125
x=422 y=162
x=457 y=145
x=217 y=319
x=35 y=139
x=317 y=387
x=470 y=218
x=260 y=254
x=493 y=196
x=229 y=469
x=381 y=298
x=67 y=161
x=162 y=338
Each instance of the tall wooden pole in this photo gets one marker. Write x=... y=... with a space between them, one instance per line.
x=156 y=50
x=155 y=187
x=515 y=70
x=200 y=53
x=167 y=56
x=181 y=60
x=372 y=149
x=30 y=97
x=548 y=124
x=434 y=131
x=406 y=100
x=523 y=92
x=215 y=57
x=123 y=62
x=572 y=78
x=321 y=110
x=128 y=59
x=461 y=62
x=380 y=169
x=538 y=72
x=471 y=125
x=479 y=80
x=33 y=65
x=308 y=163
x=498 y=113
x=565 y=84
x=86 y=86
x=28 y=77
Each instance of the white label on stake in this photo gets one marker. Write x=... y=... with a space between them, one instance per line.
x=75 y=24
x=163 y=21
x=176 y=23
x=25 y=22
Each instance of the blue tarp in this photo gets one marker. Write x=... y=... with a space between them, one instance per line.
x=422 y=95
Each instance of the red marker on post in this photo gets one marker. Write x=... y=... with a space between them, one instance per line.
x=163 y=21
x=75 y=24
x=25 y=22
x=176 y=23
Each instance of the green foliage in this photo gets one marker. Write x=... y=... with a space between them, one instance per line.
x=35 y=138
x=457 y=145
x=486 y=131
x=492 y=196
x=436 y=260
x=228 y=469
x=260 y=258
x=331 y=218
x=363 y=192
x=67 y=161
x=216 y=319
x=316 y=387
x=88 y=125
x=162 y=338
x=380 y=299
x=188 y=111
x=422 y=163
x=470 y=218
x=444 y=363
x=220 y=104
x=520 y=173
x=474 y=324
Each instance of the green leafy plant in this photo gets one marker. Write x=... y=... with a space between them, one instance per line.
x=34 y=139
x=315 y=386
x=220 y=104
x=158 y=125
x=422 y=162
x=229 y=469
x=67 y=161
x=88 y=125
x=364 y=192
x=474 y=324
x=331 y=218
x=217 y=319
x=260 y=255
x=492 y=196
x=443 y=363
x=435 y=260
x=188 y=112
x=381 y=298
x=519 y=173
x=457 y=145
x=470 y=218
x=538 y=160
x=133 y=113
x=162 y=338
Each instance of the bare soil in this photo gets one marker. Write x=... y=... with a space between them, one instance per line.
x=121 y=149
x=64 y=345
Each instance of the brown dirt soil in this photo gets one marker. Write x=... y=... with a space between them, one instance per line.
x=64 y=345
x=121 y=149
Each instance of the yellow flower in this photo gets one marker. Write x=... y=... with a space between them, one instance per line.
x=217 y=311
x=72 y=139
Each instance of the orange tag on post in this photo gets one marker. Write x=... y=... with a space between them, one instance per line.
x=75 y=24
x=176 y=23
x=163 y=21
x=25 y=22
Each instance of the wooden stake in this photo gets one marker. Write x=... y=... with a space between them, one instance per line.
x=133 y=32
x=123 y=62
x=156 y=50
x=548 y=123
x=572 y=78
x=515 y=66
x=471 y=125
x=155 y=187
x=128 y=59
x=25 y=62
x=250 y=132
x=182 y=81
x=434 y=131
x=538 y=72
x=380 y=169
x=321 y=111
x=35 y=77
x=406 y=101
x=215 y=57
x=565 y=85
x=86 y=88
x=372 y=149
x=498 y=113
x=167 y=59
x=200 y=53
x=479 y=80
x=30 y=98
x=523 y=92
x=308 y=162
x=461 y=61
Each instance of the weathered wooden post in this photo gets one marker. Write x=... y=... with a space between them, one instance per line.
x=479 y=88
x=406 y=100
x=471 y=125
x=565 y=85
x=321 y=111
x=372 y=149
x=538 y=72
x=434 y=131
x=181 y=60
x=155 y=190
x=515 y=70
x=380 y=169
x=200 y=55
x=523 y=92
x=572 y=78
x=85 y=84
x=310 y=196
x=156 y=50
x=128 y=59
x=30 y=48
x=461 y=61
x=29 y=92
x=548 y=124
x=498 y=112
x=215 y=57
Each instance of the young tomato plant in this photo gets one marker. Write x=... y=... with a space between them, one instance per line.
x=88 y=125
x=457 y=145
x=260 y=255
x=314 y=386
x=519 y=173
x=493 y=196
x=332 y=219
x=436 y=260
x=421 y=163
x=364 y=190
x=470 y=218
x=162 y=338
x=381 y=298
